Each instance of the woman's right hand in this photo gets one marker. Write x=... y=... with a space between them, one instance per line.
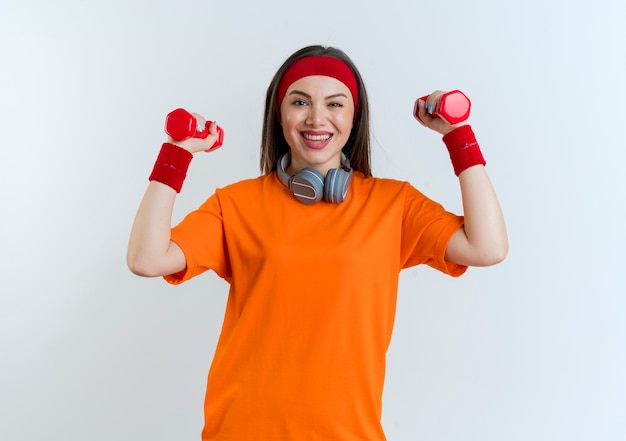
x=193 y=144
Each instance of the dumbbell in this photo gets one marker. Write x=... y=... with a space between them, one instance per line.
x=453 y=107
x=180 y=125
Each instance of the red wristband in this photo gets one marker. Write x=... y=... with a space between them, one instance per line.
x=171 y=166
x=463 y=148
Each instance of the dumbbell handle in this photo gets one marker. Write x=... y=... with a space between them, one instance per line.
x=180 y=125
x=453 y=107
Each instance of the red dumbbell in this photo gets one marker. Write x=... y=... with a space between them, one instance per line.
x=181 y=124
x=453 y=107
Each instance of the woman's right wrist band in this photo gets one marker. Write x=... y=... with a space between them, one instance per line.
x=171 y=166
x=463 y=148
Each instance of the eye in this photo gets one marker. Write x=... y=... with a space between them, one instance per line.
x=336 y=105
x=299 y=103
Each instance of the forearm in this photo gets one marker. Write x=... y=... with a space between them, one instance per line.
x=483 y=240
x=150 y=251
x=484 y=227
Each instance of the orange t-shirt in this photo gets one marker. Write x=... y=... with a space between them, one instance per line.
x=312 y=300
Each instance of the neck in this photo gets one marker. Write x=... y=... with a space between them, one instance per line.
x=292 y=169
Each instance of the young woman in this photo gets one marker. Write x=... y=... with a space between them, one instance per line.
x=312 y=250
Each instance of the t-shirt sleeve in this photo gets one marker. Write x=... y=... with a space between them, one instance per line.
x=426 y=229
x=201 y=237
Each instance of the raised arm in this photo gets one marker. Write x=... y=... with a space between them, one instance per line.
x=151 y=253
x=483 y=239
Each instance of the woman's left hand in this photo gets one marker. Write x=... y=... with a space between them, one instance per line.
x=433 y=122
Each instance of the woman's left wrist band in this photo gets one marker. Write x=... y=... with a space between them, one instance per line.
x=463 y=148
x=171 y=166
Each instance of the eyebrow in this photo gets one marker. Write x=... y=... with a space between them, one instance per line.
x=306 y=95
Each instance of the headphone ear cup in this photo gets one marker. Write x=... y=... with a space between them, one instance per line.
x=308 y=186
x=337 y=184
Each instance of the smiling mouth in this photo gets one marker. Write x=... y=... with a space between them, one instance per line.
x=317 y=137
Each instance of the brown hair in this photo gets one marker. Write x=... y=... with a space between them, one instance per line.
x=273 y=143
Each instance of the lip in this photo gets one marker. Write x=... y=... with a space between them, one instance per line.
x=316 y=144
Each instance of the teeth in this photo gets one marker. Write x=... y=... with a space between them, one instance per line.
x=317 y=137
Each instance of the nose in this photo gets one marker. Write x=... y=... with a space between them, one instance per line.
x=315 y=116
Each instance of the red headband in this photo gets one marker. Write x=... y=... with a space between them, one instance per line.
x=319 y=65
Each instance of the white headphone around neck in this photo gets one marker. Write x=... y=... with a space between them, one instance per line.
x=309 y=186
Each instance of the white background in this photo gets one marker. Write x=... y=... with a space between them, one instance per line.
x=531 y=349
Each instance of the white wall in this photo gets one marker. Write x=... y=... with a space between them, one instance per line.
x=532 y=349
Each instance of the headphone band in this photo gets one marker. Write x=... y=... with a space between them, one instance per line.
x=310 y=186
x=285 y=160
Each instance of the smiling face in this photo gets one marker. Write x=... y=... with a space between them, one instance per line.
x=317 y=114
